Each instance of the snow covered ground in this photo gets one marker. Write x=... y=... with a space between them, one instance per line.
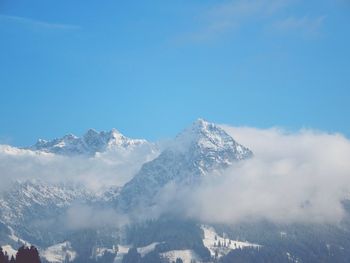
x=220 y=244
x=9 y=250
x=186 y=255
x=59 y=253
x=16 y=238
x=147 y=249
x=122 y=250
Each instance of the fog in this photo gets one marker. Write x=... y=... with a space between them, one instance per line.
x=293 y=177
x=111 y=168
x=80 y=216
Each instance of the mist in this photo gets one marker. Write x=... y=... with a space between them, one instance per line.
x=111 y=168
x=299 y=177
x=293 y=177
x=80 y=216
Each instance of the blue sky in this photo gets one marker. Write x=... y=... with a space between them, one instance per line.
x=149 y=68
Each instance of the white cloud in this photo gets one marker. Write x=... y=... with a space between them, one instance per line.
x=305 y=25
x=83 y=216
x=109 y=168
x=225 y=18
x=293 y=177
x=230 y=15
x=37 y=23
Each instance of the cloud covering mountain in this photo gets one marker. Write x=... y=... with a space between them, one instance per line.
x=97 y=159
x=293 y=177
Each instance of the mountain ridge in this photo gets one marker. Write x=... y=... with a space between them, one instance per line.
x=35 y=212
x=195 y=152
x=90 y=143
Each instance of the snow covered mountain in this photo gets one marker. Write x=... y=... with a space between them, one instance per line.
x=38 y=211
x=197 y=151
x=34 y=211
x=90 y=143
x=32 y=208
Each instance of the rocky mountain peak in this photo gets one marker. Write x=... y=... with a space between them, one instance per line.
x=89 y=144
x=199 y=150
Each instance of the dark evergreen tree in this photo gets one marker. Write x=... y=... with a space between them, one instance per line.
x=132 y=257
x=107 y=257
x=27 y=255
x=12 y=260
x=152 y=257
x=3 y=256
x=179 y=260
x=22 y=256
x=34 y=255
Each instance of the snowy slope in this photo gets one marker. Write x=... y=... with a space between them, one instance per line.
x=13 y=151
x=28 y=198
x=196 y=152
x=220 y=245
x=90 y=143
x=186 y=255
x=59 y=253
x=27 y=203
x=123 y=250
x=32 y=209
x=9 y=250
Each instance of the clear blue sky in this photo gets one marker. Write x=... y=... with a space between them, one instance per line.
x=149 y=68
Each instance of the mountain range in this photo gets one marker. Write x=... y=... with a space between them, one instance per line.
x=39 y=211
x=90 y=143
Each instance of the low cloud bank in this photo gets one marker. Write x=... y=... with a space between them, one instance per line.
x=293 y=177
x=81 y=216
x=105 y=169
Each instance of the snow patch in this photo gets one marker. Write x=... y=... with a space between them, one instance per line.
x=186 y=255
x=59 y=253
x=100 y=251
x=10 y=251
x=122 y=251
x=16 y=238
x=221 y=245
x=147 y=249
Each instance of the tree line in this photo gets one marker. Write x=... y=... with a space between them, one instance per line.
x=24 y=255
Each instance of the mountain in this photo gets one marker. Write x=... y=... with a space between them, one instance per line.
x=90 y=143
x=196 y=152
x=33 y=207
x=40 y=212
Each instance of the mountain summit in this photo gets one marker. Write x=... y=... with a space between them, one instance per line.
x=199 y=150
x=89 y=144
x=205 y=140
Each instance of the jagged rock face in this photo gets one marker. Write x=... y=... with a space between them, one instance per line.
x=32 y=207
x=196 y=152
x=35 y=208
x=209 y=147
x=91 y=143
x=24 y=199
